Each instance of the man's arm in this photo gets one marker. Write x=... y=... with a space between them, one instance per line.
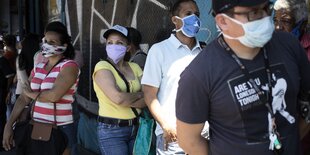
x=190 y=139
x=150 y=96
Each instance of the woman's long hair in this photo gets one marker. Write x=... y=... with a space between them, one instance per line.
x=30 y=45
x=61 y=29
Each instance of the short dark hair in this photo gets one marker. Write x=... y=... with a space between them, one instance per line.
x=175 y=9
x=134 y=37
x=9 y=40
x=61 y=29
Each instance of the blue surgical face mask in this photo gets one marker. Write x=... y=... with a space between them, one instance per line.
x=191 y=25
x=256 y=33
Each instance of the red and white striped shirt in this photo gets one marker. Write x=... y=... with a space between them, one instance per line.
x=44 y=111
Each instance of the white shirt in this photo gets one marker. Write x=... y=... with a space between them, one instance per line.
x=165 y=62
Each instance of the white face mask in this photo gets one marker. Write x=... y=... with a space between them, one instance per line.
x=256 y=33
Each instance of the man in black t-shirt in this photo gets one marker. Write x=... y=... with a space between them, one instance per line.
x=245 y=84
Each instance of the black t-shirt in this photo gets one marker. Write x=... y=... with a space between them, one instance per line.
x=213 y=88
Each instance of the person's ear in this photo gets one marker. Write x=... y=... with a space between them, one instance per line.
x=174 y=20
x=66 y=45
x=128 y=48
x=220 y=20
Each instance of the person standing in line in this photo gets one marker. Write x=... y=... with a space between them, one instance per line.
x=245 y=84
x=137 y=55
x=10 y=51
x=6 y=78
x=117 y=86
x=292 y=16
x=24 y=61
x=164 y=64
x=52 y=84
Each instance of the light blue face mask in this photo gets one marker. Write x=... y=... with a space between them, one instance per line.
x=256 y=33
x=191 y=25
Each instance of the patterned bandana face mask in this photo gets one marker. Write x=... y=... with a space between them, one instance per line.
x=50 y=50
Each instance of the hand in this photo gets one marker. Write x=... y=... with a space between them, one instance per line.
x=140 y=95
x=7 y=141
x=170 y=135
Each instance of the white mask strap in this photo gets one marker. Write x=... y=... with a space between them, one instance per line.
x=180 y=29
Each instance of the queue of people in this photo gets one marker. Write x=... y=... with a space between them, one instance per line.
x=251 y=84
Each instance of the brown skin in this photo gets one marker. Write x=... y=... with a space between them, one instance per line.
x=150 y=92
x=284 y=20
x=186 y=9
x=64 y=81
x=106 y=81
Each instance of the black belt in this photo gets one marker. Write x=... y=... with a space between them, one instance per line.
x=119 y=122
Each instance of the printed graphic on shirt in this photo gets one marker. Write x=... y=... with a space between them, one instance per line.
x=254 y=110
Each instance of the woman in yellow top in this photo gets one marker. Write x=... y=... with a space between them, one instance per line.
x=118 y=103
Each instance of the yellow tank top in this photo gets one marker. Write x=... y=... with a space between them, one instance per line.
x=107 y=108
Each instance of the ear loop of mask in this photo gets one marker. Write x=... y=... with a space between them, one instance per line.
x=180 y=29
x=182 y=19
x=225 y=35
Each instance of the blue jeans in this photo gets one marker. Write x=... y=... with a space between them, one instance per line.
x=115 y=140
x=70 y=131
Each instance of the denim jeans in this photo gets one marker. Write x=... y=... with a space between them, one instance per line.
x=173 y=147
x=115 y=140
x=70 y=131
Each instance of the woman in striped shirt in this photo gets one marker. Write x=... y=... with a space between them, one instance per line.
x=51 y=82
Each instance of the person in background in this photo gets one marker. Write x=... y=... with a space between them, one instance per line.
x=164 y=64
x=24 y=62
x=137 y=55
x=246 y=84
x=6 y=78
x=51 y=82
x=117 y=86
x=10 y=51
x=292 y=16
x=78 y=58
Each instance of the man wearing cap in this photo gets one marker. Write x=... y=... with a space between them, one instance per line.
x=245 y=84
x=164 y=64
